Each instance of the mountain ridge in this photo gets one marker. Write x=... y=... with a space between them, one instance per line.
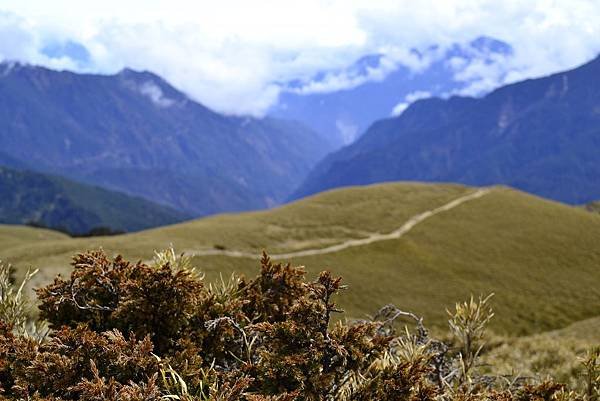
x=345 y=113
x=54 y=202
x=539 y=135
x=135 y=133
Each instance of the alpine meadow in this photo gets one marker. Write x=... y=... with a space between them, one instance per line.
x=314 y=201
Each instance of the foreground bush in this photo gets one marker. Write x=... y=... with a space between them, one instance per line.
x=124 y=331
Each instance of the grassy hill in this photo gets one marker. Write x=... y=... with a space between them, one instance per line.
x=540 y=258
x=555 y=353
x=56 y=202
x=593 y=207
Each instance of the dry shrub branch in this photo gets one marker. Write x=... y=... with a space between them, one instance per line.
x=132 y=331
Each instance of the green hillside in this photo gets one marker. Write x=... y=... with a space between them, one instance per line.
x=52 y=201
x=540 y=258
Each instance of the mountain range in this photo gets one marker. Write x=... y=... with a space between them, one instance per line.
x=540 y=135
x=136 y=136
x=135 y=133
x=376 y=86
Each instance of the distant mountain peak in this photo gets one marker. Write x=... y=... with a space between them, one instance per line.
x=8 y=66
x=342 y=103
x=131 y=73
x=141 y=77
x=489 y=44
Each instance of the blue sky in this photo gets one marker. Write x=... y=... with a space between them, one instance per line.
x=231 y=54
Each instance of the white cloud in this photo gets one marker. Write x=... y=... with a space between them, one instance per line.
x=408 y=99
x=155 y=94
x=20 y=41
x=231 y=54
x=348 y=78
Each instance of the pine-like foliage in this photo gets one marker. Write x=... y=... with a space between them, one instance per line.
x=131 y=331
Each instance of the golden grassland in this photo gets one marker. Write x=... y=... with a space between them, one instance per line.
x=540 y=258
x=555 y=354
x=593 y=207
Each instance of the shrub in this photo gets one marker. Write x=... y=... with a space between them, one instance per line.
x=105 y=294
x=125 y=331
x=14 y=306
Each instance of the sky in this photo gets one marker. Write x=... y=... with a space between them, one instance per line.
x=235 y=56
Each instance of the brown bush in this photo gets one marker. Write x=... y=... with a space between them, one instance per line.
x=123 y=331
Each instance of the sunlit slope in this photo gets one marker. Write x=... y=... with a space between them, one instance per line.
x=593 y=207
x=556 y=353
x=540 y=258
x=17 y=236
x=319 y=221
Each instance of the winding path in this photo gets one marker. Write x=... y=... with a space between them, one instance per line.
x=376 y=237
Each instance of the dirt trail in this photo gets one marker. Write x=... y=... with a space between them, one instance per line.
x=376 y=237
